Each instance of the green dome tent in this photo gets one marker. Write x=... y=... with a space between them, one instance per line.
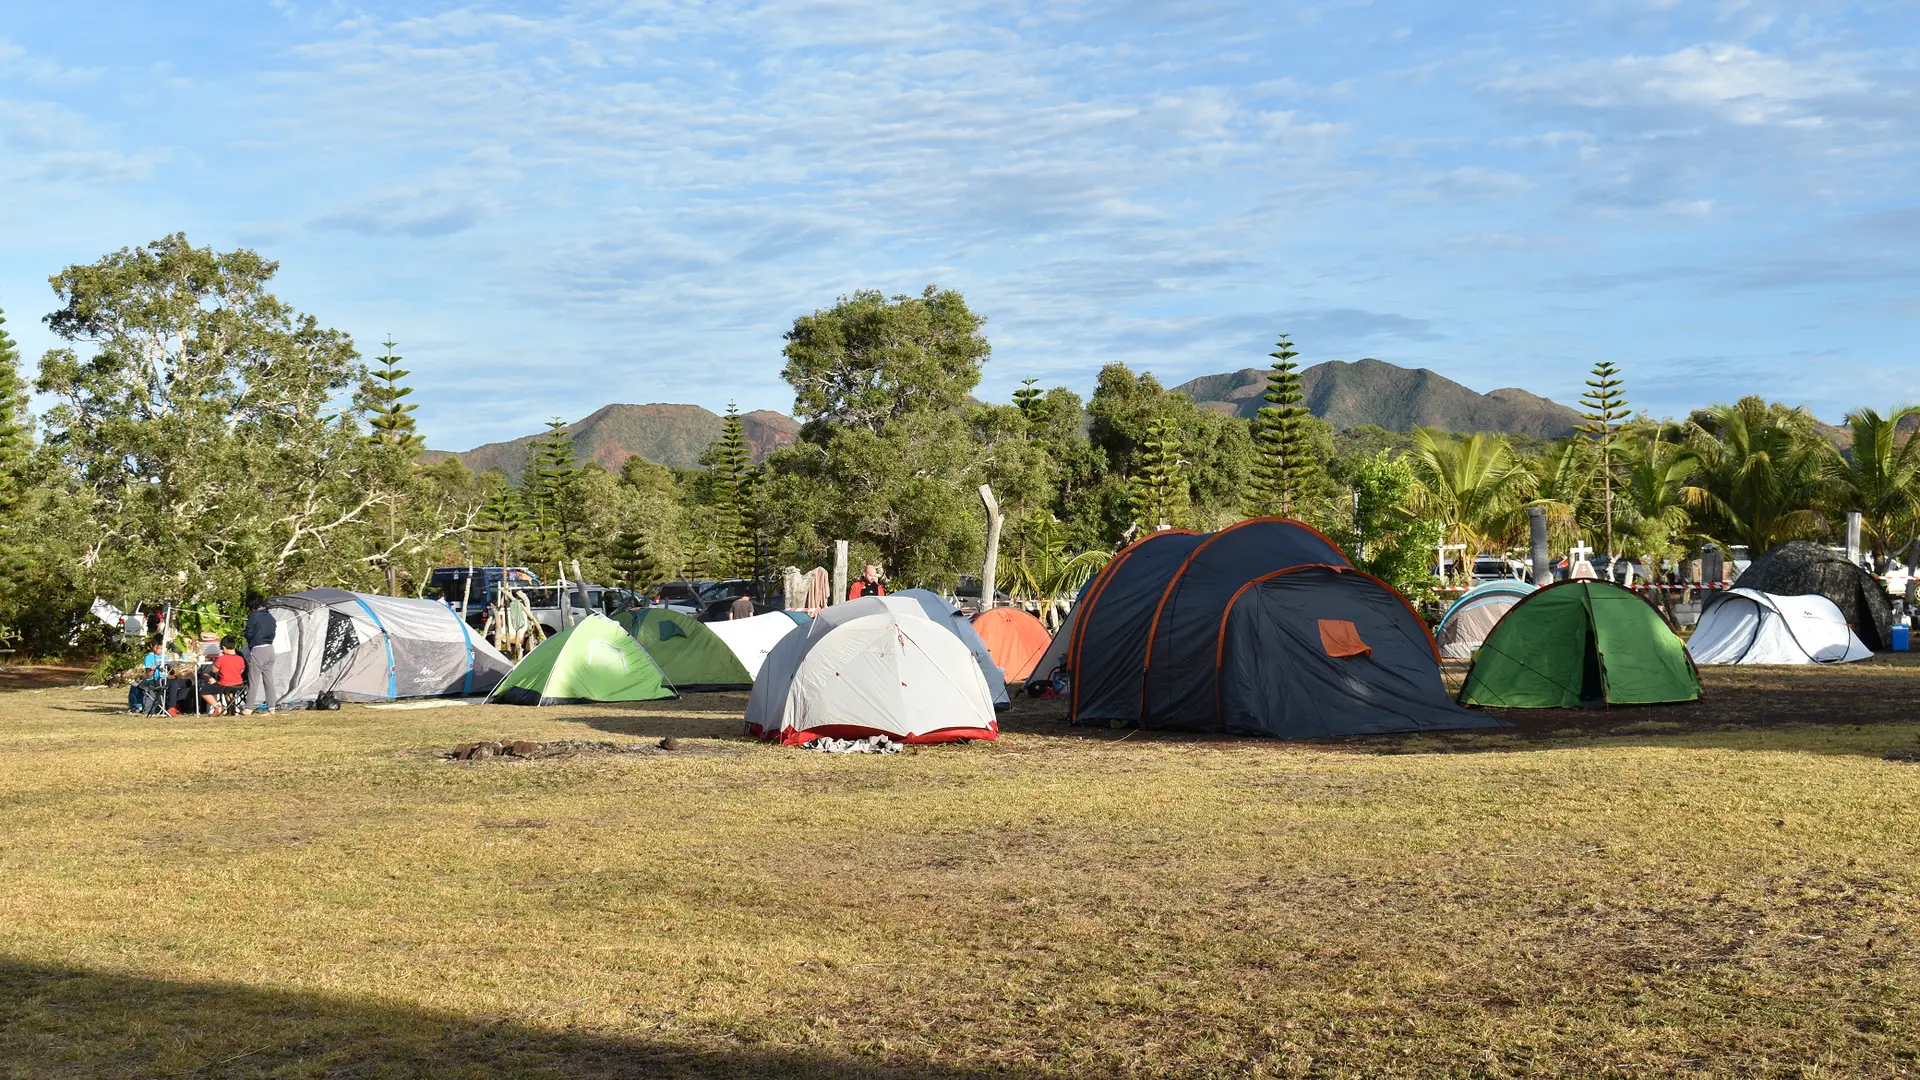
x=689 y=653
x=1580 y=643
x=595 y=660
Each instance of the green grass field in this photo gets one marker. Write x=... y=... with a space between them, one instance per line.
x=1727 y=889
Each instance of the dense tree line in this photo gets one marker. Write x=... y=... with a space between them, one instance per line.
x=203 y=438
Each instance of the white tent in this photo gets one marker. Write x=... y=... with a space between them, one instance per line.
x=874 y=666
x=363 y=647
x=943 y=613
x=1056 y=654
x=752 y=639
x=1746 y=626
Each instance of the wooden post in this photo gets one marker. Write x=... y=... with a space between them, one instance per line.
x=1853 y=537
x=839 y=572
x=1537 y=535
x=566 y=609
x=580 y=583
x=992 y=564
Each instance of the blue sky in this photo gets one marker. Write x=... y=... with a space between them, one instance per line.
x=556 y=206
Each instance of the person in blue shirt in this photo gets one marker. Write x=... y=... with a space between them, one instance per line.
x=261 y=696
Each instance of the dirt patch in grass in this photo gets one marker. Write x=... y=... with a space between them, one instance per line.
x=529 y=750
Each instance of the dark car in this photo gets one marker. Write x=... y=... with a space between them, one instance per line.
x=967 y=594
x=681 y=595
x=717 y=597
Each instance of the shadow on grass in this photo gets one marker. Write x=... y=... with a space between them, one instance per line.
x=63 y=1022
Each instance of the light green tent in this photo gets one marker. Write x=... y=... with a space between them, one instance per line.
x=1580 y=643
x=690 y=655
x=596 y=660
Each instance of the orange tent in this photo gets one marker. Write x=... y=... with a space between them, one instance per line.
x=1016 y=639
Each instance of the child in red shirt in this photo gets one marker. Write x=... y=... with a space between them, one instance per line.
x=229 y=670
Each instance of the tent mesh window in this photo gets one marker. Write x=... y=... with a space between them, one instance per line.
x=341 y=640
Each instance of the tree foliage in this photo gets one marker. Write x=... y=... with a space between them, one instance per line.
x=382 y=399
x=1879 y=476
x=1286 y=463
x=1763 y=477
x=870 y=360
x=1605 y=408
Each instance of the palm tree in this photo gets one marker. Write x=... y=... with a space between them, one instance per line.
x=1473 y=485
x=1655 y=492
x=1046 y=573
x=1763 y=473
x=1880 y=477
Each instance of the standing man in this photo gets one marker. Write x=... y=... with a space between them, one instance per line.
x=868 y=585
x=260 y=694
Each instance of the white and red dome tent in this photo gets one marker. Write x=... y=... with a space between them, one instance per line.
x=873 y=666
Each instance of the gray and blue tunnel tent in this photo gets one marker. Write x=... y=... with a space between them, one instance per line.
x=943 y=613
x=1804 y=568
x=1472 y=617
x=1262 y=628
x=362 y=647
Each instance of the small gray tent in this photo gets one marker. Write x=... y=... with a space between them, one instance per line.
x=1804 y=568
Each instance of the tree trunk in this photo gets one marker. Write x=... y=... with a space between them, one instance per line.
x=839 y=572
x=992 y=564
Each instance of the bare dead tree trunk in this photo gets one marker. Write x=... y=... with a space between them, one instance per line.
x=990 y=568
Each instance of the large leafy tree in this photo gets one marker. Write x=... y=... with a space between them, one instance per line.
x=870 y=359
x=1880 y=477
x=1286 y=462
x=197 y=413
x=1217 y=451
x=1763 y=475
x=890 y=455
x=1385 y=537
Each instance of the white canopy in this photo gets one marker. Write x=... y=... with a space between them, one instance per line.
x=874 y=666
x=752 y=639
x=1746 y=626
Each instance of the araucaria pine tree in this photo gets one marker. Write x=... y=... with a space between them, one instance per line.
x=383 y=399
x=634 y=567
x=1606 y=410
x=546 y=491
x=1160 y=479
x=732 y=459
x=1028 y=396
x=15 y=439
x=1284 y=464
x=499 y=525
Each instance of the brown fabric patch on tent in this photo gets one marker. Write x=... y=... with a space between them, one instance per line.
x=1341 y=638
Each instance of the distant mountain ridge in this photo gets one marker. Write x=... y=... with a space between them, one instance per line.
x=1351 y=394
x=1344 y=394
x=674 y=435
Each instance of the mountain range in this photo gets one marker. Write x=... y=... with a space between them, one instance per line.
x=1343 y=394
x=1392 y=397
x=674 y=435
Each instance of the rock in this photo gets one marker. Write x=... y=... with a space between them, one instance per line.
x=524 y=748
x=669 y=743
x=480 y=751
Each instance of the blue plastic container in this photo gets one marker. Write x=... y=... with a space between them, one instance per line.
x=1900 y=635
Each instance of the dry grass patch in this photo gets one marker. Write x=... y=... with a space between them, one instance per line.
x=1721 y=890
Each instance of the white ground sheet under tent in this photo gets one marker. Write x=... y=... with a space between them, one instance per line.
x=873 y=666
x=941 y=612
x=1745 y=626
x=752 y=639
x=363 y=647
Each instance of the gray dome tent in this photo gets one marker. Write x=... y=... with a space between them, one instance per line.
x=1804 y=568
x=361 y=647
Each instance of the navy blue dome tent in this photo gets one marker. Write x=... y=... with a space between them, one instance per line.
x=1262 y=628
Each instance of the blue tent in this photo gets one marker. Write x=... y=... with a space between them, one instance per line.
x=1472 y=617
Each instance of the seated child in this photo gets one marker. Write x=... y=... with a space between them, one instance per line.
x=229 y=672
x=149 y=665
